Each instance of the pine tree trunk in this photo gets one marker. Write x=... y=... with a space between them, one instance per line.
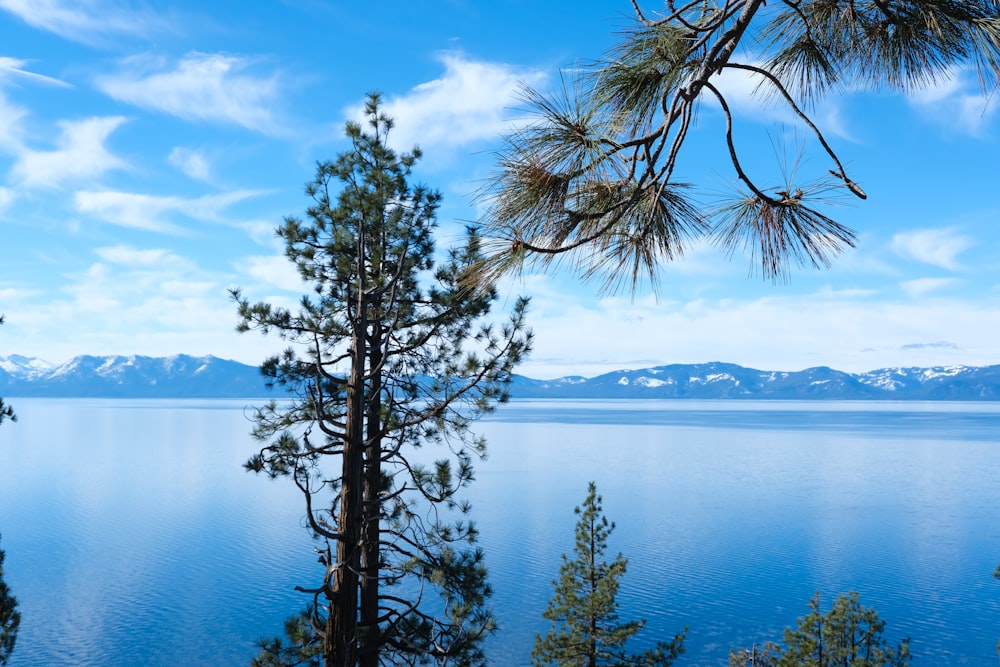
x=341 y=642
x=341 y=639
x=370 y=639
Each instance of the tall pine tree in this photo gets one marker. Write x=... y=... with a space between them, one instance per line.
x=396 y=354
x=586 y=631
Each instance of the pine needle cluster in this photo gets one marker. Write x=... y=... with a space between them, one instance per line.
x=593 y=174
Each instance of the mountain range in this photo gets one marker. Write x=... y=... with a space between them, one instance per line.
x=180 y=376
x=184 y=376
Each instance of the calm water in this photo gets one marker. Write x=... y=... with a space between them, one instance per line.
x=133 y=537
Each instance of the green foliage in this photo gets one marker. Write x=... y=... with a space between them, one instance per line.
x=10 y=618
x=849 y=635
x=303 y=648
x=584 y=611
x=594 y=174
x=390 y=353
x=766 y=655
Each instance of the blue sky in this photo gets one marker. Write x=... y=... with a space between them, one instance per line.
x=148 y=150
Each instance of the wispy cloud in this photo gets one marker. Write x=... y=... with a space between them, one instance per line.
x=957 y=104
x=128 y=256
x=10 y=125
x=80 y=155
x=13 y=67
x=6 y=198
x=774 y=333
x=132 y=300
x=11 y=115
x=274 y=271
x=941 y=344
x=748 y=96
x=937 y=247
x=470 y=102
x=151 y=212
x=201 y=87
x=89 y=22
x=191 y=163
x=919 y=287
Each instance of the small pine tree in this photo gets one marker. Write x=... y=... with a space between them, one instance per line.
x=10 y=618
x=756 y=656
x=584 y=612
x=849 y=635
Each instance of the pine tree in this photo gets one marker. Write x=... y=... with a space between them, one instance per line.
x=594 y=172
x=586 y=631
x=849 y=635
x=398 y=355
x=10 y=618
x=766 y=655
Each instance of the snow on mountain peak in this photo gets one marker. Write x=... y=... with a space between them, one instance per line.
x=24 y=367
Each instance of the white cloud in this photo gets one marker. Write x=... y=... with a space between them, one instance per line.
x=919 y=287
x=14 y=66
x=783 y=333
x=11 y=115
x=10 y=125
x=149 y=212
x=470 y=102
x=86 y=21
x=128 y=256
x=131 y=301
x=201 y=86
x=957 y=104
x=191 y=163
x=274 y=271
x=747 y=98
x=6 y=198
x=80 y=156
x=937 y=247
x=261 y=231
x=140 y=295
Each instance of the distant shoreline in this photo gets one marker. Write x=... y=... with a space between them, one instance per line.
x=208 y=377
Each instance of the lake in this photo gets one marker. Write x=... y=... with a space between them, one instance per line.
x=134 y=537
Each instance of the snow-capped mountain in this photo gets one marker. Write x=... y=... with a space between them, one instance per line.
x=718 y=380
x=180 y=376
x=23 y=367
x=184 y=376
